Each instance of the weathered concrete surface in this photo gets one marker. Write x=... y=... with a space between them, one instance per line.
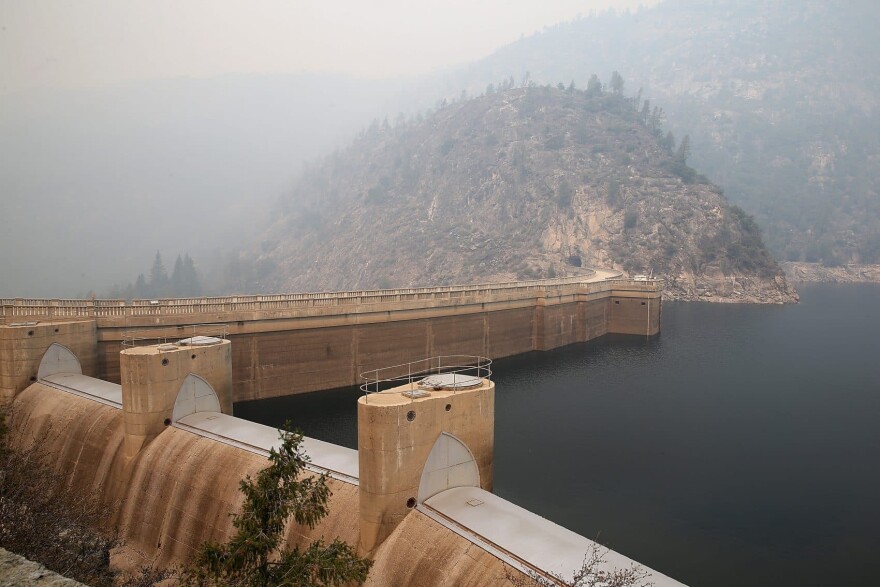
x=175 y=494
x=17 y=571
x=152 y=377
x=422 y=553
x=22 y=348
x=179 y=490
x=395 y=437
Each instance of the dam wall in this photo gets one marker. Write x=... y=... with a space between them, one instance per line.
x=297 y=343
x=415 y=497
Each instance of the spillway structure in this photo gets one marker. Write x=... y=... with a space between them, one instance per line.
x=163 y=447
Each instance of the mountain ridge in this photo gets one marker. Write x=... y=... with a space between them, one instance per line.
x=522 y=183
x=779 y=99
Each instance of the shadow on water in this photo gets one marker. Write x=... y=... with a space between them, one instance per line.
x=739 y=447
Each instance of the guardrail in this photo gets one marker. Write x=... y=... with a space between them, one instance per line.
x=412 y=373
x=66 y=309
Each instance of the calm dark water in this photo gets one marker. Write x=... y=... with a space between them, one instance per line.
x=740 y=447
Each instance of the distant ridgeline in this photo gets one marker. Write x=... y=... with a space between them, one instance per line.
x=519 y=183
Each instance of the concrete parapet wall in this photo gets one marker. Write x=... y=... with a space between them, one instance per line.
x=16 y=308
x=22 y=348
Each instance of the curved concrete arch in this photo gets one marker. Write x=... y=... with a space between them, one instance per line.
x=449 y=464
x=195 y=395
x=58 y=359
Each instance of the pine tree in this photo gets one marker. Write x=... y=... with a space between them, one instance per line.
x=255 y=556
x=141 y=289
x=159 y=283
x=192 y=287
x=594 y=86
x=177 y=284
x=669 y=142
x=684 y=149
x=616 y=84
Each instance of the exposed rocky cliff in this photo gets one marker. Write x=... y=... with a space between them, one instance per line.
x=532 y=182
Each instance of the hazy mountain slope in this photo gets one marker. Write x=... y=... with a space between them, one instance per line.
x=519 y=184
x=93 y=183
x=779 y=98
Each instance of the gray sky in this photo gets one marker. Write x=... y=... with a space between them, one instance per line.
x=88 y=43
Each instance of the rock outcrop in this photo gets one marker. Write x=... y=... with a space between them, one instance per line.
x=816 y=272
x=17 y=571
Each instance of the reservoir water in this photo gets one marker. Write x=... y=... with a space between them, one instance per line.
x=739 y=447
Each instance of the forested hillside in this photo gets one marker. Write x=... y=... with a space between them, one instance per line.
x=519 y=183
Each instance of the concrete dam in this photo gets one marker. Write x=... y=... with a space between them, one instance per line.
x=135 y=404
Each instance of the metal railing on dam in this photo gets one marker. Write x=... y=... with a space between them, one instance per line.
x=443 y=371
x=16 y=309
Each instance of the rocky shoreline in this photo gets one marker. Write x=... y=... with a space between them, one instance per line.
x=717 y=287
x=817 y=273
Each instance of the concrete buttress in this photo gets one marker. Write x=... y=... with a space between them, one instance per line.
x=152 y=377
x=396 y=435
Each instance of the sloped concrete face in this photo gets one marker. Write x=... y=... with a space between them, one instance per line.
x=450 y=464
x=58 y=359
x=174 y=495
x=195 y=395
x=517 y=536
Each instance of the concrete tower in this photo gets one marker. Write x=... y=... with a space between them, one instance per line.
x=161 y=383
x=414 y=445
x=24 y=344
